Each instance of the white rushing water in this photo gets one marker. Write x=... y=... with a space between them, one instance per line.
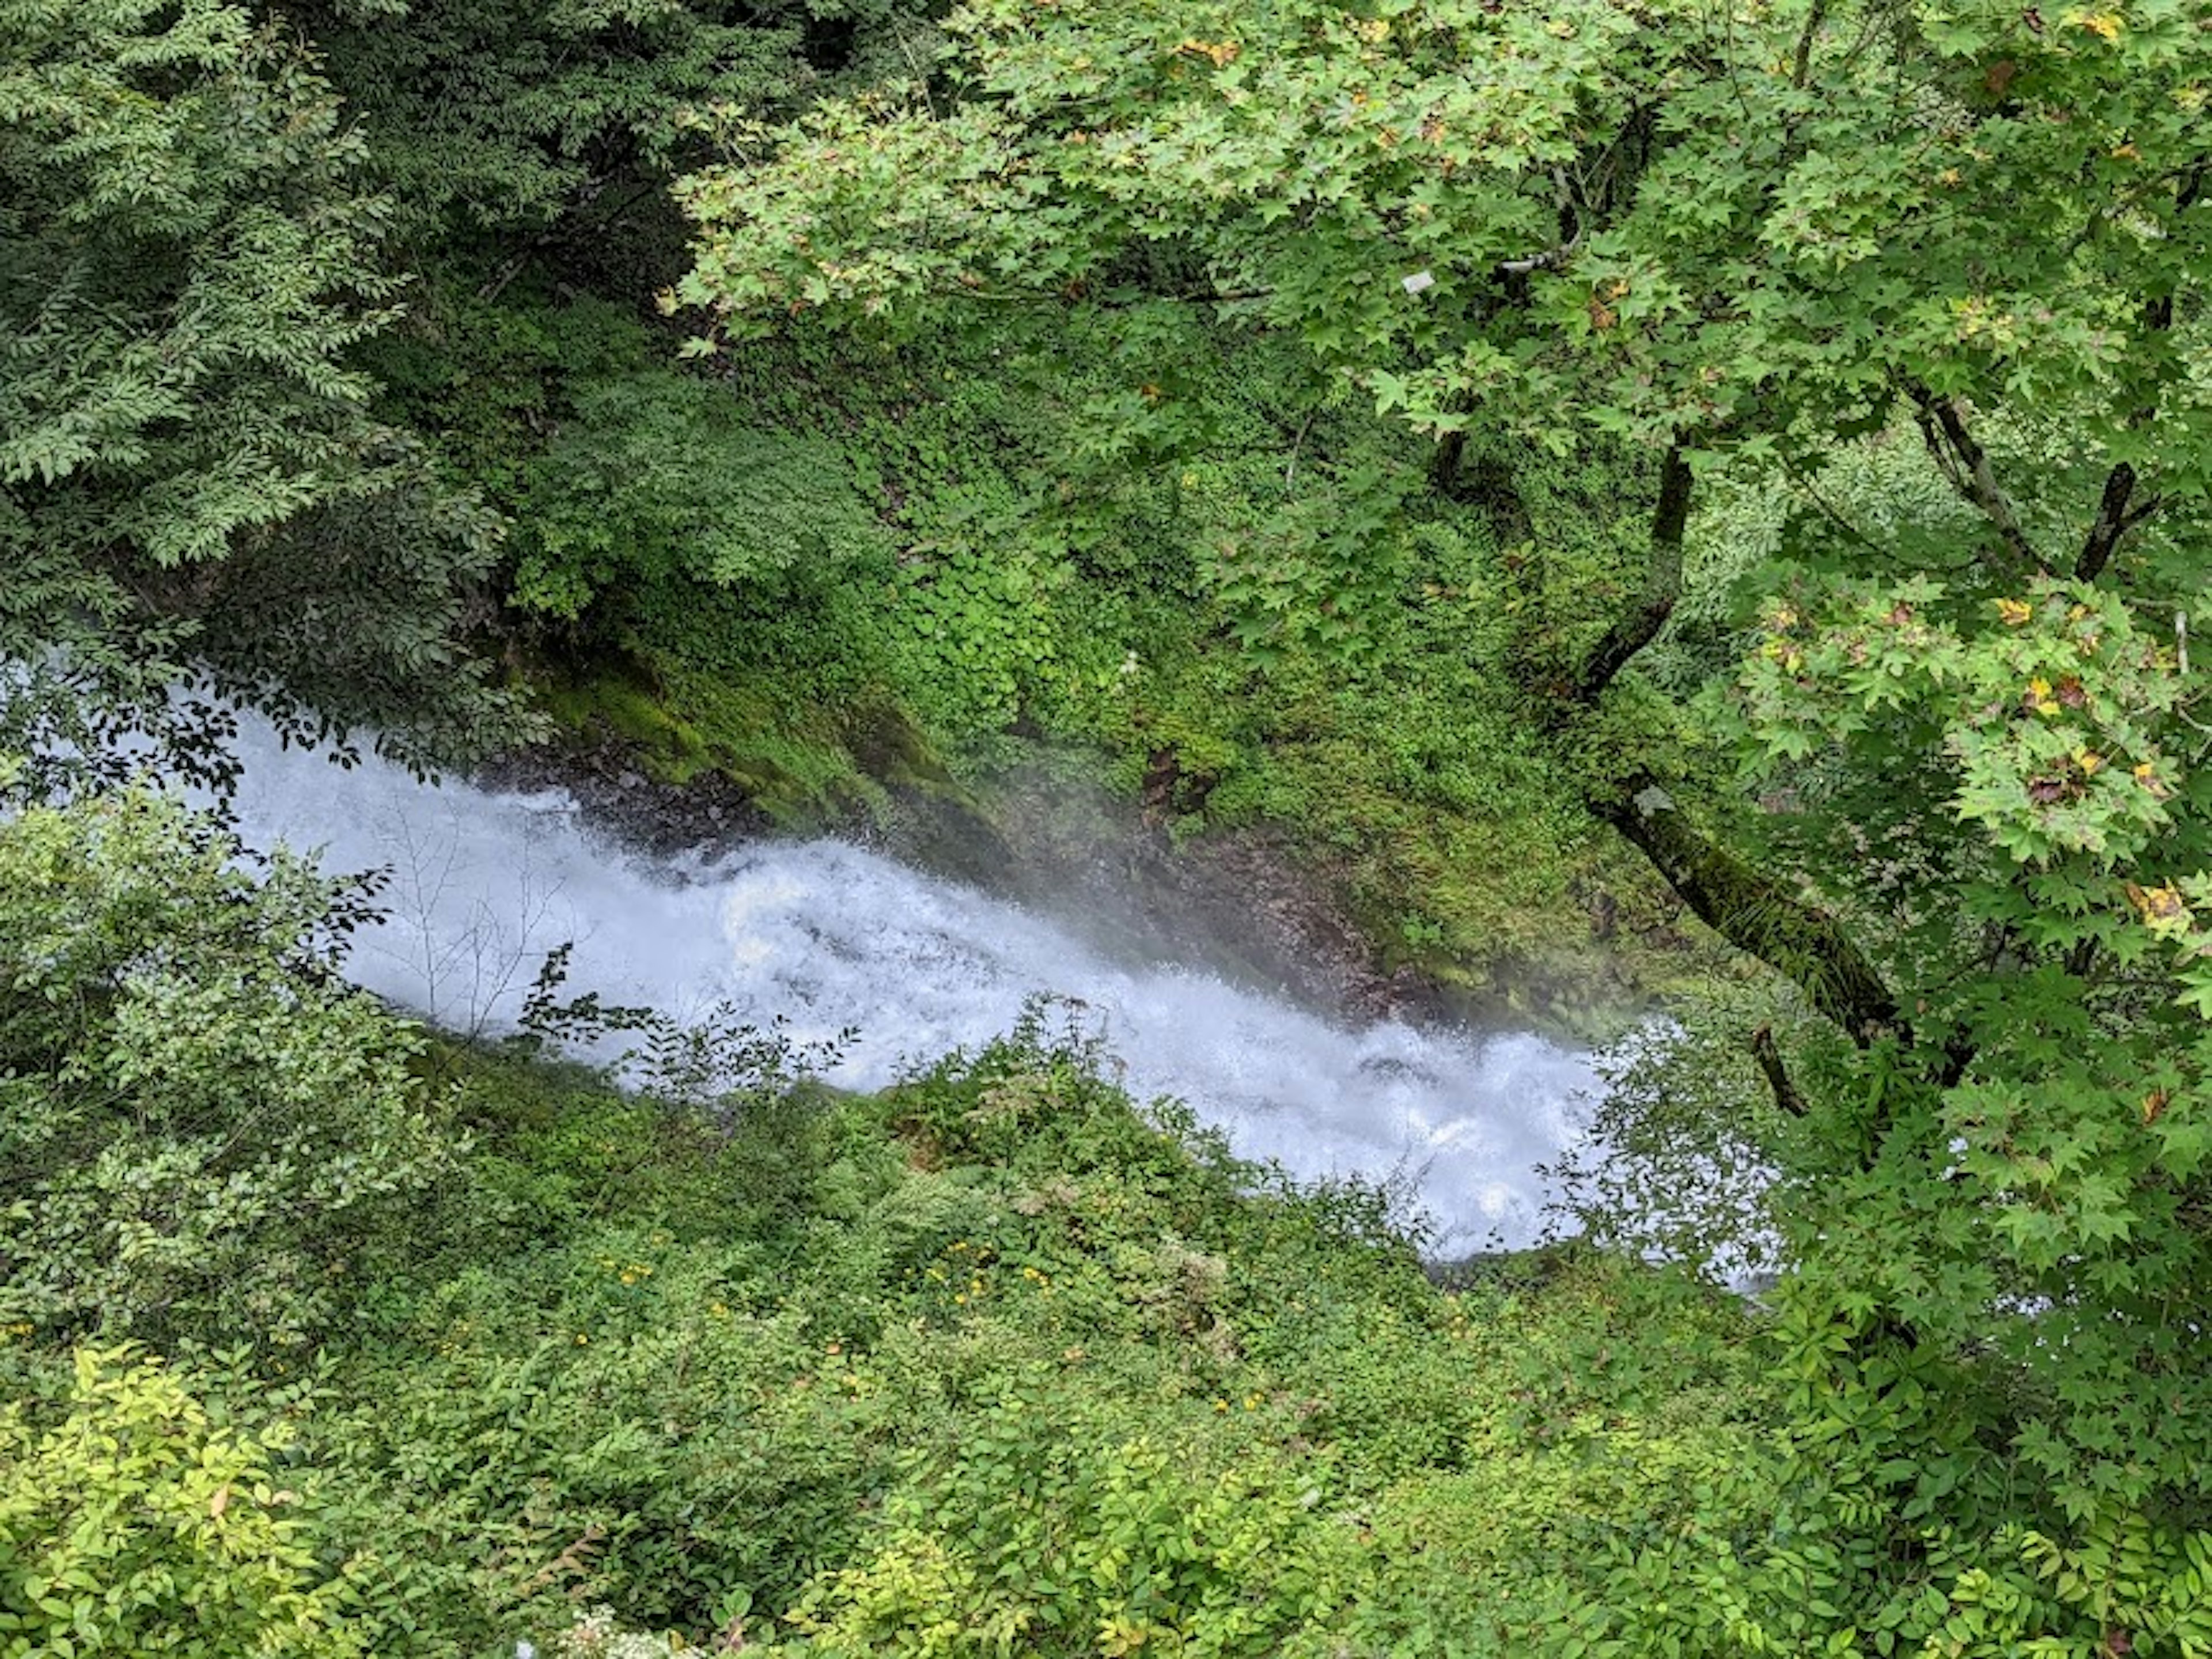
x=830 y=936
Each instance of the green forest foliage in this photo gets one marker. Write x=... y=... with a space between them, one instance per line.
x=1567 y=468
x=191 y=475
x=1737 y=242
x=507 y=117
x=131 y=1522
x=198 y=1113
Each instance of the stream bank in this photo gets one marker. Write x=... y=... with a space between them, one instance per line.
x=1041 y=829
x=1236 y=904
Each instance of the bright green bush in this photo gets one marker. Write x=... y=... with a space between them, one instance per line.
x=132 y=1522
x=1040 y=1536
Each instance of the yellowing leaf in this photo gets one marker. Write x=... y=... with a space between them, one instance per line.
x=2161 y=909
x=2106 y=25
x=2014 y=613
x=1219 y=53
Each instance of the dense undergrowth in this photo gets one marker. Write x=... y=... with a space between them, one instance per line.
x=995 y=1358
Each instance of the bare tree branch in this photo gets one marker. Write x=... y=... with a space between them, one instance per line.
x=1967 y=463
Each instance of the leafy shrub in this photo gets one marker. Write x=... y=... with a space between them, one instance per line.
x=1044 y=1533
x=654 y=478
x=197 y=1121
x=133 y=1523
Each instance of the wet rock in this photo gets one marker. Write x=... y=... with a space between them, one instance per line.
x=706 y=814
x=1240 y=903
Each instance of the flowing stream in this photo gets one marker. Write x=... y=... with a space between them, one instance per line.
x=830 y=936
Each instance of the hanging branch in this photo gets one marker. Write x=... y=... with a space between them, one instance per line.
x=1759 y=915
x=1765 y=1050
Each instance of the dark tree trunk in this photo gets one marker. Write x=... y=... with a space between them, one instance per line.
x=2111 y=523
x=1662 y=585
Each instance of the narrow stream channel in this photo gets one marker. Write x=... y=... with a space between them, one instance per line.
x=830 y=936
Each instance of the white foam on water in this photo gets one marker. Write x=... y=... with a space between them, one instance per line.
x=830 y=936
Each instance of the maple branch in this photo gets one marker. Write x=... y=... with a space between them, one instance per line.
x=2185 y=192
x=1967 y=466
x=1118 y=299
x=1938 y=451
x=1757 y=914
x=1662 y=584
x=1801 y=68
x=1550 y=260
x=2114 y=519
